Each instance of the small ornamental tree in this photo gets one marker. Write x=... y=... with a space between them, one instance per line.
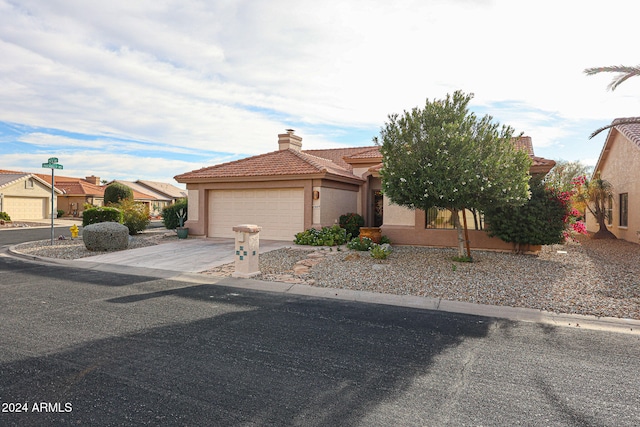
x=564 y=173
x=444 y=156
x=115 y=192
x=595 y=195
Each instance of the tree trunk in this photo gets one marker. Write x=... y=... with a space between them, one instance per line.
x=456 y=223
x=603 y=231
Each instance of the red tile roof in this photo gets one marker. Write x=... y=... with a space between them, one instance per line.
x=275 y=163
x=337 y=162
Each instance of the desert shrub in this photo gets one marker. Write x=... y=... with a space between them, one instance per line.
x=135 y=216
x=380 y=251
x=169 y=214
x=360 y=244
x=327 y=236
x=540 y=221
x=101 y=214
x=115 y=192
x=385 y=239
x=5 y=217
x=60 y=213
x=352 y=223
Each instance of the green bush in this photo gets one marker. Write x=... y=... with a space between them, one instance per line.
x=539 y=222
x=101 y=214
x=169 y=214
x=358 y=244
x=385 y=239
x=352 y=223
x=135 y=216
x=380 y=251
x=116 y=192
x=327 y=236
x=5 y=217
x=60 y=213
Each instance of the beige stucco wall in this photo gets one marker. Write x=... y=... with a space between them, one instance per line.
x=398 y=215
x=19 y=189
x=332 y=203
x=38 y=191
x=621 y=168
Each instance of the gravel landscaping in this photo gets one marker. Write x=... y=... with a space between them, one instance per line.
x=591 y=277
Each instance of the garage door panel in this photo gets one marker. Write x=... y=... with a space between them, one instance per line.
x=280 y=212
x=21 y=208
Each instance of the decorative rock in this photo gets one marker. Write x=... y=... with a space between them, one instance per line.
x=105 y=236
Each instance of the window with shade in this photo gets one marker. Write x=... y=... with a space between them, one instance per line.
x=624 y=210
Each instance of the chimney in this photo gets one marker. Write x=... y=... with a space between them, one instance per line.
x=289 y=141
x=95 y=180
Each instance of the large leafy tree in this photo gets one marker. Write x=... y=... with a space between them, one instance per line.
x=624 y=73
x=445 y=156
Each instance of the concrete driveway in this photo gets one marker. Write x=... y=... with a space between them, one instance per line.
x=187 y=256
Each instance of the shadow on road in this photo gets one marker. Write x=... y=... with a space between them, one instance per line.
x=259 y=359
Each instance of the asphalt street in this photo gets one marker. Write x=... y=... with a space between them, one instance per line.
x=82 y=347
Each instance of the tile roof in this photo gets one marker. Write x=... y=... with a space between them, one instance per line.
x=276 y=163
x=338 y=155
x=141 y=193
x=74 y=186
x=8 y=177
x=630 y=130
x=335 y=161
x=164 y=188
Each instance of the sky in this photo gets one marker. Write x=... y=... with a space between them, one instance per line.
x=149 y=89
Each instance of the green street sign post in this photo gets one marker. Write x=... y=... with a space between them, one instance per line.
x=52 y=164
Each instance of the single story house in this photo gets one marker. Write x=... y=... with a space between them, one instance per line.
x=76 y=192
x=155 y=195
x=25 y=196
x=619 y=163
x=291 y=190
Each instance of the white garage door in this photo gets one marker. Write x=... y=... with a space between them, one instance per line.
x=280 y=212
x=20 y=208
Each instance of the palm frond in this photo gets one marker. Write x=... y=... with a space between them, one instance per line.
x=629 y=121
x=624 y=71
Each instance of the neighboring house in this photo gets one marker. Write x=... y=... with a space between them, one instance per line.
x=156 y=195
x=170 y=191
x=619 y=163
x=290 y=190
x=25 y=196
x=76 y=193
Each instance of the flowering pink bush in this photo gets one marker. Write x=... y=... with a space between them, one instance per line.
x=573 y=217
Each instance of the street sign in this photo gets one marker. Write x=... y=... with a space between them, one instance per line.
x=52 y=165
x=53 y=160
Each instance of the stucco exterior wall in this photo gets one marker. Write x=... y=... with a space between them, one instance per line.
x=621 y=168
x=418 y=235
x=334 y=202
x=398 y=215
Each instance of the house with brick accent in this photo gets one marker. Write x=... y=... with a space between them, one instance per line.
x=619 y=163
x=290 y=190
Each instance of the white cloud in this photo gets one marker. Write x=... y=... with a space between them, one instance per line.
x=229 y=76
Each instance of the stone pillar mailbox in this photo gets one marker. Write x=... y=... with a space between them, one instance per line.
x=247 y=250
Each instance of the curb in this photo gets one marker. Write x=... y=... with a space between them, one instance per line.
x=520 y=314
